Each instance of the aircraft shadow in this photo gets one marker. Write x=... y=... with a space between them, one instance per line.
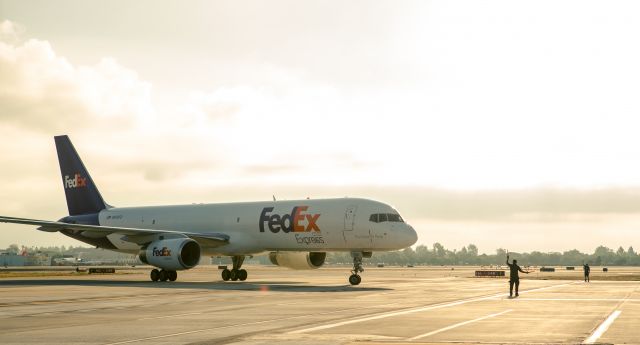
x=213 y=285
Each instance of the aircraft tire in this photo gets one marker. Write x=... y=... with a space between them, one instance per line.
x=226 y=274
x=354 y=279
x=155 y=275
x=234 y=274
x=164 y=275
x=242 y=275
x=173 y=275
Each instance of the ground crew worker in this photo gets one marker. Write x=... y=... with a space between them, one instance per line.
x=514 y=279
x=586 y=269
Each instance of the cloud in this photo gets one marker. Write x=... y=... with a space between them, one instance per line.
x=41 y=90
x=10 y=31
x=222 y=104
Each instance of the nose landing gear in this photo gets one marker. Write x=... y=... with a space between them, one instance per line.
x=355 y=278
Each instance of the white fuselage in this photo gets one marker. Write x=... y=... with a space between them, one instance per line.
x=343 y=224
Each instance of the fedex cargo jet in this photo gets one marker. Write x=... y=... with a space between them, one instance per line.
x=295 y=234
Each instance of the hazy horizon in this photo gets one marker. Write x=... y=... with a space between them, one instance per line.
x=503 y=124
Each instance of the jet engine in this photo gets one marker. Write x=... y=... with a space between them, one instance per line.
x=172 y=254
x=298 y=260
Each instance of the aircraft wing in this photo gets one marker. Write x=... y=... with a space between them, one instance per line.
x=140 y=236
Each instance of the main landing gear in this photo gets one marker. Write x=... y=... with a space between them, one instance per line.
x=236 y=273
x=355 y=279
x=163 y=275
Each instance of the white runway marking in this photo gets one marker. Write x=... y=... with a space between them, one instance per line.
x=458 y=325
x=222 y=327
x=390 y=314
x=196 y=331
x=535 y=290
x=582 y=299
x=602 y=328
x=546 y=287
x=412 y=310
x=167 y=316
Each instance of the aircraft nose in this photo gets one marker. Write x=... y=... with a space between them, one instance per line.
x=412 y=235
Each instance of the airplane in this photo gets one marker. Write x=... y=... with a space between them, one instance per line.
x=70 y=260
x=67 y=260
x=295 y=234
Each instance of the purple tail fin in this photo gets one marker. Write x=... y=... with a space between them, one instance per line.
x=82 y=194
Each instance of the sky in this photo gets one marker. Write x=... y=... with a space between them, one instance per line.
x=506 y=124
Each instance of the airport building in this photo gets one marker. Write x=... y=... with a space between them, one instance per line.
x=11 y=259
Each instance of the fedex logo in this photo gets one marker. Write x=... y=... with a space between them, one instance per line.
x=161 y=252
x=75 y=182
x=297 y=221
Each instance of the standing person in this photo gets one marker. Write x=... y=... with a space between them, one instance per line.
x=587 y=270
x=513 y=276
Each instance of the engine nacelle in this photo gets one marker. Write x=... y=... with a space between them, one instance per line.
x=298 y=260
x=172 y=254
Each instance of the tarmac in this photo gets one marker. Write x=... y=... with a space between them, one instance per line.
x=392 y=305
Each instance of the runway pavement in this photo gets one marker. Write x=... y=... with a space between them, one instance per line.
x=279 y=306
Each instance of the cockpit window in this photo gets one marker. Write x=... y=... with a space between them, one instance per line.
x=386 y=217
x=393 y=217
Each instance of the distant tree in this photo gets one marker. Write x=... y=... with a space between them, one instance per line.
x=472 y=250
x=422 y=254
x=598 y=261
x=463 y=256
x=572 y=257
x=409 y=256
x=13 y=249
x=536 y=258
x=439 y=250
x=439 y=255
x=621 y=257
x=631 y=252
x=422 y=249
x=604 y=254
